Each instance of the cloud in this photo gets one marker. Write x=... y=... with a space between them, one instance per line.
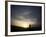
x=24 y=22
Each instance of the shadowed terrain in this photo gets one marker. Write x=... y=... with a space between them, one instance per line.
x=16 y=28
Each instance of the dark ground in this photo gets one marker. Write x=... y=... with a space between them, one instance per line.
x=15 y=28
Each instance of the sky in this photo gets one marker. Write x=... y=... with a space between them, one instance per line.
x=24 y=15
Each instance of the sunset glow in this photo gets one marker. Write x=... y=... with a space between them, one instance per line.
x=22 y=23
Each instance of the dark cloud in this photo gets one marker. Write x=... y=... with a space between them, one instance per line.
x=26 y=13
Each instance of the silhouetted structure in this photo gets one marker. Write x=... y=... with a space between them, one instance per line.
x=29 y=25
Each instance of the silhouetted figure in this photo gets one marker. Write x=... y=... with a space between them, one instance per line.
x=29 y=25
